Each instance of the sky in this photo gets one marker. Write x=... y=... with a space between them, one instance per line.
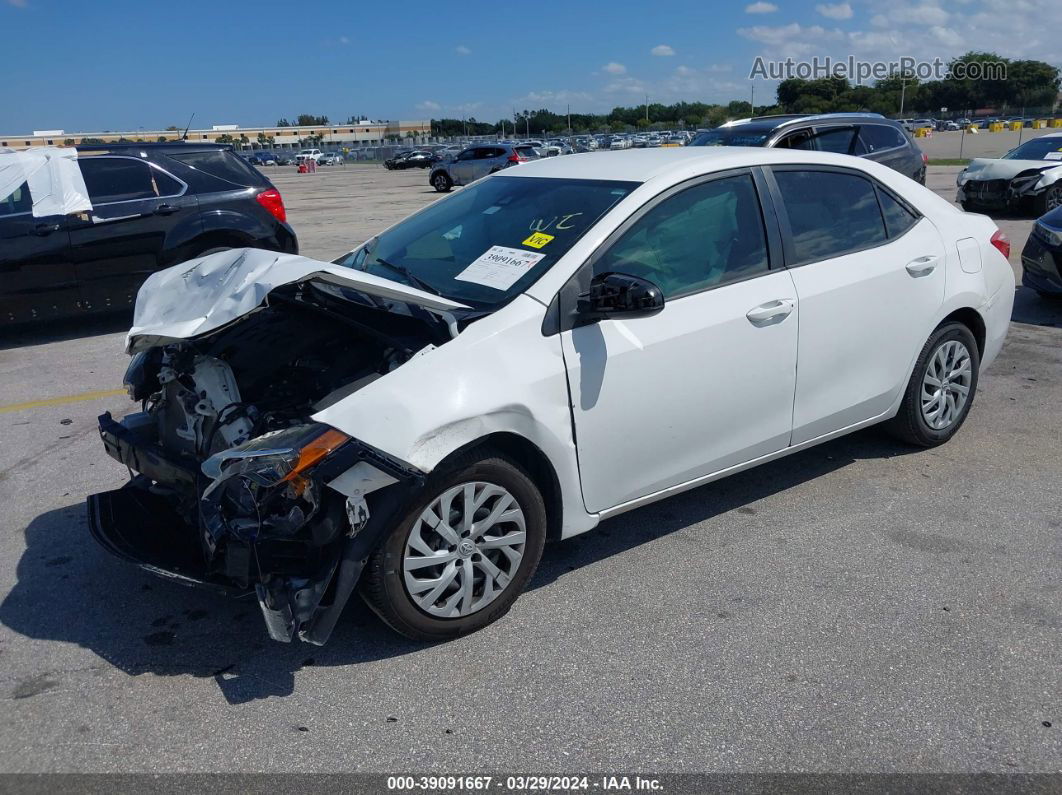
x=118 y=65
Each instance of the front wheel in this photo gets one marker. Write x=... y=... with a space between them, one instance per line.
x=1049 y=200
x=461 y=555
x=441 y=182
x=941 y=389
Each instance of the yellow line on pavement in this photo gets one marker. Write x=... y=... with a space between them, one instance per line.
x=59 y=401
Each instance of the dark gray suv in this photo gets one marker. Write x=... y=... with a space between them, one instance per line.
x=868 y=135
x=477 y=161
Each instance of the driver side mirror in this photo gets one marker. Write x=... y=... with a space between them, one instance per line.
x=620 y=295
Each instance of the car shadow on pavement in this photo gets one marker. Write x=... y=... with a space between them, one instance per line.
x=70 y=591
x=1034 y=309
x=68 y=329
x=733 y=493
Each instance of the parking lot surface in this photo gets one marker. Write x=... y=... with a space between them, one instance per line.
x=862 y=606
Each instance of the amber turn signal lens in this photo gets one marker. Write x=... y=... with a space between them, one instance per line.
x=316 y=450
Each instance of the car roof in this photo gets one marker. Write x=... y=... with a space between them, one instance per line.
x=774 y=122
x=169 y=146
x=642 y=165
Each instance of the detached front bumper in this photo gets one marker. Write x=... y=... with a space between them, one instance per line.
x=302 y=581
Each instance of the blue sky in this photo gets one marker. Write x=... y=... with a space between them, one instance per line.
x=114 y=64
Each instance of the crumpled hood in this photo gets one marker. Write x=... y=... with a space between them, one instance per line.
x=204 y=294
x=984 y=168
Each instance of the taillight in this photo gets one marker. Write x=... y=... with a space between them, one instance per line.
x=270 y=199
x=925 y=159
x=1001 y=242
x=515 y=158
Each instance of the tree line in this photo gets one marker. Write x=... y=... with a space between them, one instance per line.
x=1028 y=84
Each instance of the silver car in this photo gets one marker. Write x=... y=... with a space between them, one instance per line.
x=477 y=161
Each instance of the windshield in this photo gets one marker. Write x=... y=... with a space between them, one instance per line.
x=1048 y=148
x=731 y=136
x=490 y=241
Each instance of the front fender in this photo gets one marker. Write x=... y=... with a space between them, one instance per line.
x=499 y=375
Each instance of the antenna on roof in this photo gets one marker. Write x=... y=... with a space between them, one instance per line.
x=184 y=137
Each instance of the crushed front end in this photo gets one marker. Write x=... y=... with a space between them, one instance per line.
x=233 y=485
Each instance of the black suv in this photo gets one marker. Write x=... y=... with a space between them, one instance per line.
x=868 y=135
x=153 y=205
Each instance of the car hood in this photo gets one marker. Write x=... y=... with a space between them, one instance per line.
x=988 y=168
x=204 y=294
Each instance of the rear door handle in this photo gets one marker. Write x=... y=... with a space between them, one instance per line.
x=771 y=312
x=43 y=230
x=166 y=209
x=923 y=266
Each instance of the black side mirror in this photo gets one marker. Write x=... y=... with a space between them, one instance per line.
x=620 y=294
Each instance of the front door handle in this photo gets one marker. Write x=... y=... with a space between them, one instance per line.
x=43 y=230
x=166 y=209
x=770 y=313
x=923 y=266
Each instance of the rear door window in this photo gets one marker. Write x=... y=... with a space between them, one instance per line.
x=526 y=151
x=898 y=219
x=833 y=139
x=830 y=213
x=17 y=202
x=222 y=164
x=876 y=137
x=117 y=179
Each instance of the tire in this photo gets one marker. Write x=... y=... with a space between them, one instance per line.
x=1048 y=200
x=441 y=181
x=969 y=207
x=386 y=586
x=212 y=250
x=912 y=423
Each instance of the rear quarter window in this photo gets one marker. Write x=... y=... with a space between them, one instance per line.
x=221 y=164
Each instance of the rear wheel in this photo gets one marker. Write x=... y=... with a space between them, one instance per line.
x=941 y=389
x=441 y=181
x=461 y=555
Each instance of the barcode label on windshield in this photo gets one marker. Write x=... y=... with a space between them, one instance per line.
x=499 y=267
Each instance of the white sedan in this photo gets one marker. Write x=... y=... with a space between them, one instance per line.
x=550 y=347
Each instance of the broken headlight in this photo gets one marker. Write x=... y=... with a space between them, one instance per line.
x=262 y=486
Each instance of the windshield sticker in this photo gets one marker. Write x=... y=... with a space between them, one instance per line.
x=492 y=210
x=499 y=267
x=537 y=240
x=1053 y=156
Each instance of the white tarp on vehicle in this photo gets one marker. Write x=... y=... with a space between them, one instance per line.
x=204 y=294
x=53 y=175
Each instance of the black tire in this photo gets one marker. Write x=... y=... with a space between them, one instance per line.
x=441 y=181
x=212 y=250
x=1053 y=297
x=382 y=584
x=1048 y=200
x=909 y=425
x=969 y=207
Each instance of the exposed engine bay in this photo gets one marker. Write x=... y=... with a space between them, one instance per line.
x=233 y=484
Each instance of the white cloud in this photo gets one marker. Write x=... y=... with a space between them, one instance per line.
x=835 y=10
x=344 y=40
x=429 y=105
x=662 y=49
x=461 y=49
x=17 y=3
x=614 y=68
x=761 y=8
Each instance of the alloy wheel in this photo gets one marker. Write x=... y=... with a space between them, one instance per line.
x=946 y=384
x=464 y=549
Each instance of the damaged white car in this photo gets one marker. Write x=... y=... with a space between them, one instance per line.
x=1026 y=178
x=547 y=348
